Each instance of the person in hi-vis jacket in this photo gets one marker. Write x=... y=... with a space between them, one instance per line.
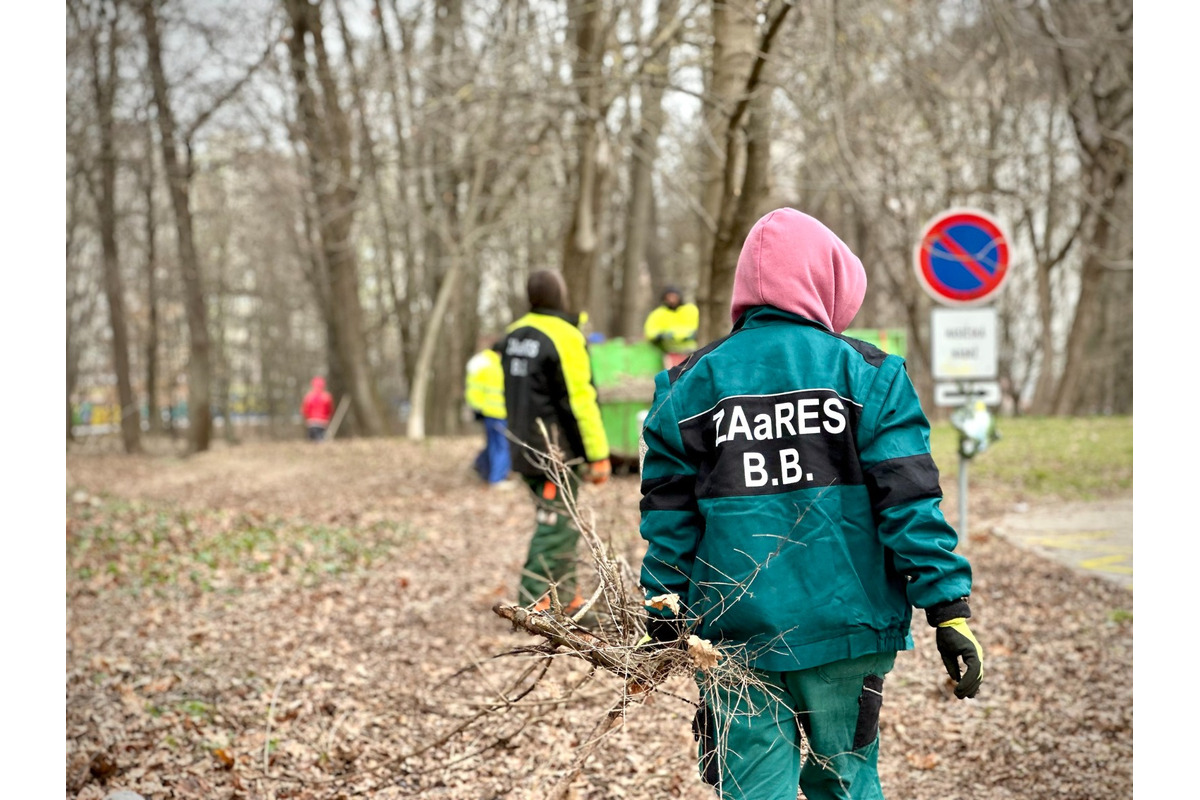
x=790 y=501
x=548 y=379
x=672 y=325
x=485 y=396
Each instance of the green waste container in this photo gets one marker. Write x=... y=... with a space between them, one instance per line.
x=624 y=377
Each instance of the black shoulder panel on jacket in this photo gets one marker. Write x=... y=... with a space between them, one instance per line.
x=902 y=480
x=674 y=372
x=872 y=354
x=669 y=493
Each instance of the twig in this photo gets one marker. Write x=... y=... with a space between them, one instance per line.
x=641 y=666
x=270 y=720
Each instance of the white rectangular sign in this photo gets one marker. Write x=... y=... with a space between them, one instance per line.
x=963 y=392
x=963 y=341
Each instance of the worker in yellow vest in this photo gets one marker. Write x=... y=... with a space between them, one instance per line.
x=485 y=396
x=552 y=404
x=672 y=325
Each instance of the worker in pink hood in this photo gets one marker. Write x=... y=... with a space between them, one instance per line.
x=793 y=262
x=317 y=410
x=791 y=509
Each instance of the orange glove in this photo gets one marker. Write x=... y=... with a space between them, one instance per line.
x=598 y=472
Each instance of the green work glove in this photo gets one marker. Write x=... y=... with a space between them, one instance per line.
x=955 y=641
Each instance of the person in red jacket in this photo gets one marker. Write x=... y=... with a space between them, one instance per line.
x=317 y=409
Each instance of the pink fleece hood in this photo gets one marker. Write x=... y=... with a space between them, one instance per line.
x=793 y=262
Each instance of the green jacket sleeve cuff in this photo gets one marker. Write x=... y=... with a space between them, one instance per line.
x=944 y=612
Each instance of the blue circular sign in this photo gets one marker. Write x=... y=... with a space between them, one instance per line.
x=962 y=257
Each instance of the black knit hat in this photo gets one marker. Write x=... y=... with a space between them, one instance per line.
x=546 y=289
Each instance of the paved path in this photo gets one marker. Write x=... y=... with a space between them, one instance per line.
x=1096 y=537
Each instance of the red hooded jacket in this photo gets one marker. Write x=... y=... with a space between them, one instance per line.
x=317 y=407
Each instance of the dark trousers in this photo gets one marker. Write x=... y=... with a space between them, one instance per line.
x=551 y=557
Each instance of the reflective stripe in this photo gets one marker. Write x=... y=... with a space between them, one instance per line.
x=576 y=367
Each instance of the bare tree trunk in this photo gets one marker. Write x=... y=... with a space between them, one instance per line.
x=402 y=305
x=81 y=301
x=582 y=238
x=104 y=90
x=455 y=345
x=330 y=168
x=600 y=294
x=222 y=372
x=424 y=365
x=740 y=207
x=179 y=182
x=151 y=343
x=407 y=182
x=1047 y=378
x=1115 y=346
x=1088 y=313
x=634 y=301
x=1099 y=82
x=390 y=302
x=734 y=45
x=746 y=183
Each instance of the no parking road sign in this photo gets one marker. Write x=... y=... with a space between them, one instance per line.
x=962 y=256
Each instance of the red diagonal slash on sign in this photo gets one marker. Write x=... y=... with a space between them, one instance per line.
x=944 y=261
x=965 y=258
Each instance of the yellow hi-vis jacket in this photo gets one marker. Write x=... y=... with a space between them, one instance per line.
x=548 y=377
x=485 y=384
x=677 y=328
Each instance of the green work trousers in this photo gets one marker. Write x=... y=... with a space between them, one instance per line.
x=552 y=556
x=749 y=737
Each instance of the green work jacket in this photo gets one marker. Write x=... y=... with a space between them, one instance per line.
x=789 y=497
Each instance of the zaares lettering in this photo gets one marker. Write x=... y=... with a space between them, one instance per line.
x=765 y=443
x=805 y=416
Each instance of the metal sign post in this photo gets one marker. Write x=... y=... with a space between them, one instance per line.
x=962 y=498
x=961 y=260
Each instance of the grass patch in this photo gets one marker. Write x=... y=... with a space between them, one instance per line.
x=1064 y=458
x=161 y=549
x=196 y=709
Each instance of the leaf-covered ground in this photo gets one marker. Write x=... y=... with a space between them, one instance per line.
x=289 y=620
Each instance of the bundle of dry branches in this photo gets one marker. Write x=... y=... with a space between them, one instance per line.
x=609 y=630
